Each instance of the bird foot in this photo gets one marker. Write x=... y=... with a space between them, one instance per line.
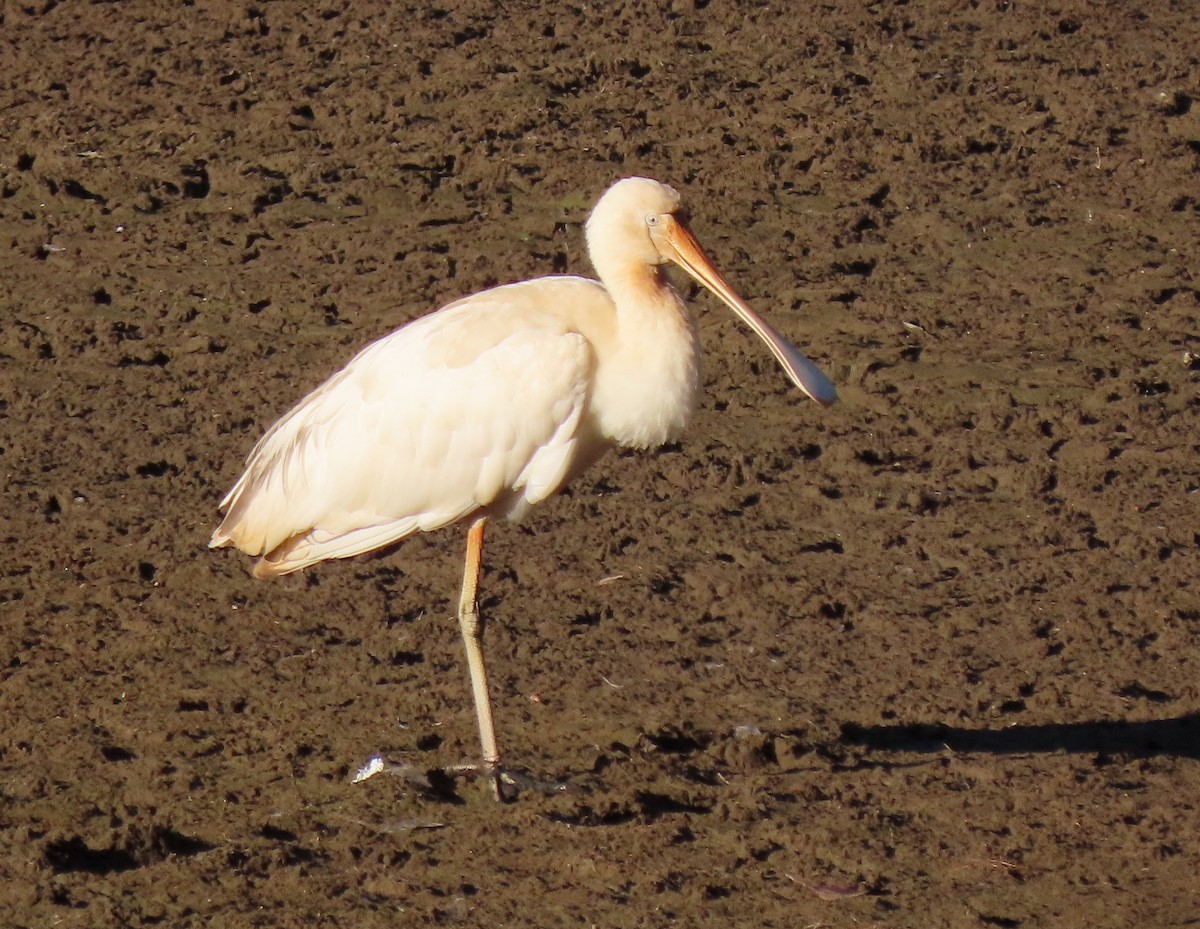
x=507 y=783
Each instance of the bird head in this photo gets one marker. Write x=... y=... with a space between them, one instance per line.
x=639 y=224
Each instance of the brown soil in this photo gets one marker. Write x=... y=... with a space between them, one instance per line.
x=927 y=659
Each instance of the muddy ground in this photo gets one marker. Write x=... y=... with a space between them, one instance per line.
x=929 y=658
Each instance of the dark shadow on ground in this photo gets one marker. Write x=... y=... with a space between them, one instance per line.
x=1179 y=737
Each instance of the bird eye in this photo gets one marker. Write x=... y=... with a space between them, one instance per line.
x=651 y=219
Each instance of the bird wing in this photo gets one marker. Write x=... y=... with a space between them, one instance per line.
x=423 y=427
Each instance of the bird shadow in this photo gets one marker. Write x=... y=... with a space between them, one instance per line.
x=1178 y=737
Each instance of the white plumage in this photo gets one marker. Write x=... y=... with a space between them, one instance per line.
x=413 y=434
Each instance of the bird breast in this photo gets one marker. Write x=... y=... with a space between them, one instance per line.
x=648 y=376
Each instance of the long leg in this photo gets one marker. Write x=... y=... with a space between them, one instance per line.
x=472 y=624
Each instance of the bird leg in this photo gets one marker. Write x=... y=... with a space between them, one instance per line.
x=472 y=626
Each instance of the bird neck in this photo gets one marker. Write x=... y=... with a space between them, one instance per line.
x=647 y=387
x=643 y=296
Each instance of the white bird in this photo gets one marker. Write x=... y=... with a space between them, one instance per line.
x=491 y=404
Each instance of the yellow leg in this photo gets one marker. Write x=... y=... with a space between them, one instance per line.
x=471 y=625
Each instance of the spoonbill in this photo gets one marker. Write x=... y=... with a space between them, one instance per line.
x=491 y=404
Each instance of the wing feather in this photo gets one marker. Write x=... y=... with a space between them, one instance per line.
x=473 y=406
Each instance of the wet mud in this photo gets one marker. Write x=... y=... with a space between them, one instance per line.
x=928 y=658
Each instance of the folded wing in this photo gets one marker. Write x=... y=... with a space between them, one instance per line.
x=479 y=404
